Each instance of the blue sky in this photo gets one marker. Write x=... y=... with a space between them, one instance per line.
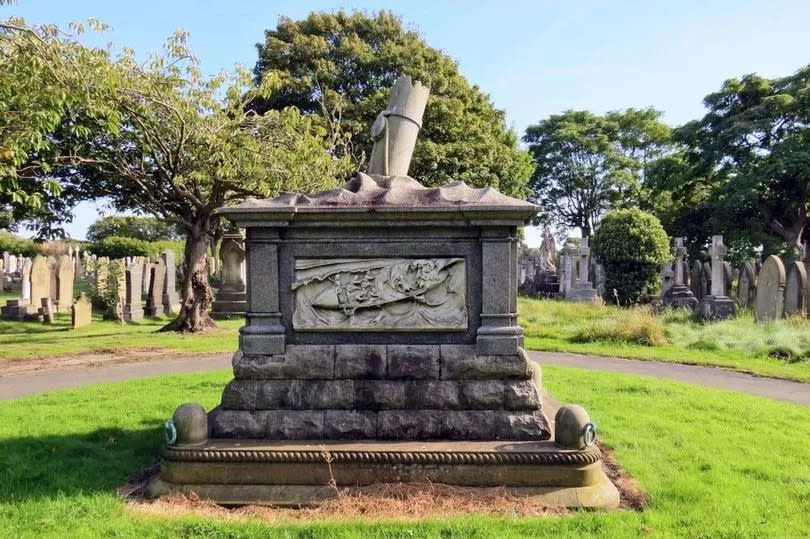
x=533 y=58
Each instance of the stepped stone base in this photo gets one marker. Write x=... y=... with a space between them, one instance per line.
x=678 y=296
x=582 y=291
x=299 y=472
x=229 y=304
x=717 y=307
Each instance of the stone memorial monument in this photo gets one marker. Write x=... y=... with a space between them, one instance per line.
x=717 y=305
x=796 y=289
x=157 y=276
x=171 y=300
x=64 y=282
x=678 y=294
x=81 y=312
x=132 y=306
x=381 y=344
x=747 y=284
x=230 y=298
x=770 y=301
x=582 y=288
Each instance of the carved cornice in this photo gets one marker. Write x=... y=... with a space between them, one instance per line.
x=479 y=458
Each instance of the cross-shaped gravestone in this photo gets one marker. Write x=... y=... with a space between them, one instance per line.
x=584 y=259
x=680 y=255
x=717 y=252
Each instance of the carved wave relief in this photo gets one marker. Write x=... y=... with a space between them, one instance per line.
x=380 y=294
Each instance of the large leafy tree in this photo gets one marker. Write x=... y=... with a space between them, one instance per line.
x=167 y=141
x=754 y=144
x=127 y=226
x=339 y=68
x=588 y=163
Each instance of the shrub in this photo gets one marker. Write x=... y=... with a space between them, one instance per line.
x=632 y=246
x=139 y=228
x=18 y=246
x=178 y=247
x=117 y=247
x=638 y=325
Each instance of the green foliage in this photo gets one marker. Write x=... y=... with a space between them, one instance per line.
x=631 y=245
x=117 y=247
x=339 y=67
x=140 y=228
x=18 y=246
x=179 y=248
x=587 y=164
x=638 y=325
x=107 y=294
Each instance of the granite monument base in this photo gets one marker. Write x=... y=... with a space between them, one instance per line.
x=229 y=304
x=679 y=296
x=582 y=291
x=299 y=473
x=717 y=307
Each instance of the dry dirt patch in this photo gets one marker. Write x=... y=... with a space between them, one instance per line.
x=95 y=358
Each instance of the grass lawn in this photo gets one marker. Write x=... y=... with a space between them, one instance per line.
x=714 y=463
x=739 y=344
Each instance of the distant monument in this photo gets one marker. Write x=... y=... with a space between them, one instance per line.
x=381 y=330
x=231 y=299
x=717 y=305
x=678 y=294
x=582 y=288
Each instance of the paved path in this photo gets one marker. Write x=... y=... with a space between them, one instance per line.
x=12 y=387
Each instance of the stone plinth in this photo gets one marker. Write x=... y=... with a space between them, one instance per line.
x=679 y=296
x=231 y=298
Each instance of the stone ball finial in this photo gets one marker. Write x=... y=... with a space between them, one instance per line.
x=190 y=424
x=573 y=428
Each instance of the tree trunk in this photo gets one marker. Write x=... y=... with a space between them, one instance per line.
x=195 y=292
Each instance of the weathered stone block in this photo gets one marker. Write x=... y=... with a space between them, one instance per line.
x=483 y=394
x=429 y=394
x=521 y=426
x=379 y=395
x=521 y=396
x=295 y=424
x=360 y=361
x=461 y=362
x=409 y=424
x=469 y=425
x=305 y=362
x=349 y=424
x=240 y=395
x=273 y=394
x=238 y=424
x=413 y=362
x=337 y=394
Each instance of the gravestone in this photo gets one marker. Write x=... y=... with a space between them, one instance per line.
x=47 y=310
x=53 y=268
x=64 y=282
x=146 y=275
x=569 y=268
x=796 y=289
x=171 y=301
x=230 y=299
x=770 y=303
x=132 y=306
x=706 y=280
x=717 y=305
x=25 y=279
x=154 y=297
x=11 y=265
x=40 y=280
x=695 y=278
x=582 y=289
x=81 y=312
x=382 y=327
x=678 y=294
x=746 y=284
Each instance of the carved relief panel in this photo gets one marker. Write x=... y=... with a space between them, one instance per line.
x=380 y=294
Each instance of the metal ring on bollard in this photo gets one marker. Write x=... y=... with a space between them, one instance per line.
x=589 y=434
x=170 y=431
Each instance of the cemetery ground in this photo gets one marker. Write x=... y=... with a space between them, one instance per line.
x=712 y=463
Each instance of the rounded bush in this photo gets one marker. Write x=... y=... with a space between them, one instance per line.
x=16 y=245
x=118 y=247
x=632 y=246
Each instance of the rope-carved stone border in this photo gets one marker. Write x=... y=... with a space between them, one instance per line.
x=586 y=456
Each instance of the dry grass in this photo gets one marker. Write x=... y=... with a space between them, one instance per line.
x=636 y=325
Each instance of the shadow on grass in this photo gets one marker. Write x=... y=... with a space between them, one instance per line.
x=50 y=465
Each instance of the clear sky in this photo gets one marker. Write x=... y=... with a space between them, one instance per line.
x=534 y=58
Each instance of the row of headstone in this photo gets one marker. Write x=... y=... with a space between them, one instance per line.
x=42 y=278
x=782 y=291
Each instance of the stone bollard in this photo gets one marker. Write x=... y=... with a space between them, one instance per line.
x=573 y=428
x=188 y=426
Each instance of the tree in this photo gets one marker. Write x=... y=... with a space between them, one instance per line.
x=755 y=140
x=338 y=68
x=140 y=228
x=587 y=163
x=178 y=146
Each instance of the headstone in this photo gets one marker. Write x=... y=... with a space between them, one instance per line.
x=40 y=280
x=133 y=308
x=64 y=283
x=11 y=266
x=569 y=266
x=582 y=289
x=746 y=284
x=146 y=274
x=667 y=274
x=47 y=310
x=706 y=279
x=728 y=278
x=796 y=289
x=171 y=301
x=81 y=312
x=25 y=279
x=154 y=297
x=717 y=305
x=6 y=256
x=696 y=278
x=53 y=268
x=678 y=294
x=770 y=304
x=230 y=299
